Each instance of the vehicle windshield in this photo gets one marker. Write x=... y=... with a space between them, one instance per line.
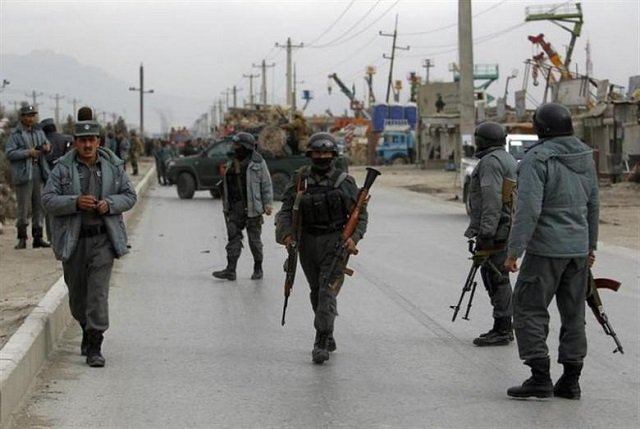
x=517 y=148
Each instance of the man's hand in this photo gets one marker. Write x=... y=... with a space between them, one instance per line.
x=87 y=203
x=511 y=264
x=288 y=240
x=591 y=258
x=33 y=152
x=485 y=243
x=46 y=148
x=102 y=207
x=268 y=211
x=350 y=245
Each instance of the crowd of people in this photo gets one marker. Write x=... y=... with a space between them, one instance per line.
x=544 y=210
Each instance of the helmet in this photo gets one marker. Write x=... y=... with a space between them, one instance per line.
x=489 y=134
x=245 y=140
x=322 y=142
x=552 y=119
x=47 y=125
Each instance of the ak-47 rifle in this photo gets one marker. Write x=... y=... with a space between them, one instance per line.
x=595 y=303
x=478 y=259
x=291 y=264
x=350 y=227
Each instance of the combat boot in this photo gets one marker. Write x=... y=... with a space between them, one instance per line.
x=538 y=385
x=94 y=355
x=320 y=351
x=257 y=271
x=331 y=343
x=22 y=238
x=84 y=345
x=500 y=335
x=38 y=241
x=567 y=385
x=228 y=273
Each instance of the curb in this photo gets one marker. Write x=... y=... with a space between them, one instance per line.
x=27 y=350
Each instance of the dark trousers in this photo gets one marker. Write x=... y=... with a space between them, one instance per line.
x=237 y=220
x=87 y=274
x=316 y=255
x=498 y=285
x=29 y=198
x=540 y=279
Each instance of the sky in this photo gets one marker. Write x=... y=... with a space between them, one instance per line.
x=201 y=49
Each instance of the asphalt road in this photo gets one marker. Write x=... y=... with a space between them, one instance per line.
x=187 y=350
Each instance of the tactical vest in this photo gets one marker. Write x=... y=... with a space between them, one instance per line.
x=323 y=208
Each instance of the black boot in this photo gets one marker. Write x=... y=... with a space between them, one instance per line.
x=38 y=241
x=228 y=273
x=94 y=356
x=22 y=238
x=320 y=351
x=500 y=335
x=84 y=345
x=567 y=385
x=331 y=343
x=257 y=271
x=538 y=385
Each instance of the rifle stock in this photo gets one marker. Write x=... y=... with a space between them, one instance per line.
x=595 y=303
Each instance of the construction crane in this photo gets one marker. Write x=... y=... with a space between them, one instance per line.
x=356 y=105
x=552 y=54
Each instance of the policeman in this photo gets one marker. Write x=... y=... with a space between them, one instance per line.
x=86 y=194
x=247 y=195
x=556 y=223
x=325 y=197
x=490 y=223
x=26 y=150
x=135 y=151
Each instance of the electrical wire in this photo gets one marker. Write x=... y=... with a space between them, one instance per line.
x=334 y=41
x=332 y=25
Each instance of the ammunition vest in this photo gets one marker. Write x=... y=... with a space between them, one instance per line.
x=323 y=208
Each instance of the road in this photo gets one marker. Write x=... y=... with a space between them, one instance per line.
x=187 y=350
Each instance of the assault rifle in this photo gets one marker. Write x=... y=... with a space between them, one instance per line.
x=350 y=227
x=291 y=264
x=595 y=303
x=479 y=258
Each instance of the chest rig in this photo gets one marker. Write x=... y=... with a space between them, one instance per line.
x=323 y=207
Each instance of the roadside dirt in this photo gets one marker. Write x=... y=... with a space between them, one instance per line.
x=26 y=276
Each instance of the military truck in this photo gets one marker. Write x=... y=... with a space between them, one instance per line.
x=203 y=172
x=397 y=143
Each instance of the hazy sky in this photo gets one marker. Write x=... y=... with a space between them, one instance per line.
x=201 y=48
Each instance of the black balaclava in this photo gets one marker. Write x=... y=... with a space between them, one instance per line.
x=321 y=165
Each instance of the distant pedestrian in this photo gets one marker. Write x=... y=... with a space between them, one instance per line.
x=60 y=144
x=86 y=194
x=556 y=224
x=247 y=195
x=135 y=151
x=26 y=150
x=120 y=145
x=491 y=192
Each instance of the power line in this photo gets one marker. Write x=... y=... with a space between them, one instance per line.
x=334 y=23
x=331 y=43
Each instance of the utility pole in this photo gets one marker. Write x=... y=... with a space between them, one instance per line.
x=294 y=105
x=226 y=93
x=74 y=102
x=142 y=93
x=57 y=98
x=289 y=47
x=220 y=112
x=467 y=100
x=263 y=88
x=393 y=54
x=250 y=76
x=428 y=63
x=34 y=97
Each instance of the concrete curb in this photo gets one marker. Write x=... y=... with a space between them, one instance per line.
x=27 y=350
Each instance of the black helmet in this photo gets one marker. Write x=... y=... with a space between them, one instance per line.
x=322 y=142
x=489 y=134
x=552 y=119
x=245 y=140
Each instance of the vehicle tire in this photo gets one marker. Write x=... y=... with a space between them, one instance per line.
x=280 y=182
x=399 y=160
x=465 y=198
x=215 y=194
x=186 y=186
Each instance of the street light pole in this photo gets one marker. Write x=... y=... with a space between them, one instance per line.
x=142 y=93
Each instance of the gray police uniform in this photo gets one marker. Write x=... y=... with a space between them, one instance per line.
x=556 y=223
x=324 y=208
x=491 y=220
x=28 y=176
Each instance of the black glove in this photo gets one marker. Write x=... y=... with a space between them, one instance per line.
x=485 y=243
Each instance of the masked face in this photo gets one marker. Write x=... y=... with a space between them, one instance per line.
x=321 y=161
x=240 y=152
